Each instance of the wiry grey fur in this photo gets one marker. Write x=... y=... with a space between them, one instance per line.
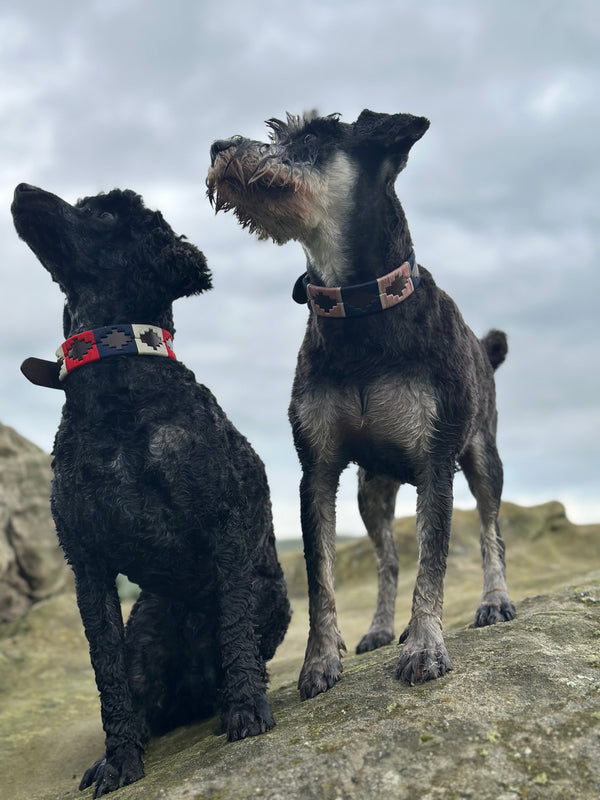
x=406 y=393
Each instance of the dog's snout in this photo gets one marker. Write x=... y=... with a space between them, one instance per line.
x=25 y=195
x=25 y=187
x=220 y=146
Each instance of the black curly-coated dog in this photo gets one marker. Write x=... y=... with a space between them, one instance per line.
x=389 y=376
x=153 y=481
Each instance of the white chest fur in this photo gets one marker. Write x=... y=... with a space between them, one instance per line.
x=396 y=412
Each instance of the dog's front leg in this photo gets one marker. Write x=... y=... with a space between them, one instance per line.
x=425 y=656
x=100 y=611
x=322 y=662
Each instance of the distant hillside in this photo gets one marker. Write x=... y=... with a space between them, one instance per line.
x=542 y=546
x=295 y=545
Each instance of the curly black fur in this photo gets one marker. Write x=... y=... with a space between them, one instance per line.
x=153 y=481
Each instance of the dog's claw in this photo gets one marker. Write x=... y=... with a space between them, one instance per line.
x=424 y=657
x=90 y=774
x=111 y=775
x=374 y=639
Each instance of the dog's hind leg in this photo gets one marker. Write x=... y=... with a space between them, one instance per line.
x=483 y=470
x=376 y=502
x=245 y=710
x=172 y=662
x=424 y=655
x=322 y=666
x=273 y=612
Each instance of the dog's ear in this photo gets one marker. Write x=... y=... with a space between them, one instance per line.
x=183 y=268
x=393 y=134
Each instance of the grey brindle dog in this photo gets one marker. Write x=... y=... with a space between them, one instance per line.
x=389 y=376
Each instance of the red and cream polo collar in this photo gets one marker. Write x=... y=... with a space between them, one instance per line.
x=89 y=346
x=113 y=340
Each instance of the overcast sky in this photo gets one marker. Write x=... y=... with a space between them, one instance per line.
x=502 y=194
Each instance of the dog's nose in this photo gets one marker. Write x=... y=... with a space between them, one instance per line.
x=218 y=147
x=25 y=187
x=25 y=191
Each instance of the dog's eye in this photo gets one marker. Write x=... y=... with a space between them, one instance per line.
x=309 y=138
x=107 y=215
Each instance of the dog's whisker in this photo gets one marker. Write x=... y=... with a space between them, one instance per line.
x=231 y=164
x=239 y=172
x=221 y=204
x=275 y=175
x=262 y=168
x=289 y=179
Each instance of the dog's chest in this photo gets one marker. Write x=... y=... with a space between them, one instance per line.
x=390 y=416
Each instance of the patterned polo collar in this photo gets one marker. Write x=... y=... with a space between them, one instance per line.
x=362 y=298
x=113 y=340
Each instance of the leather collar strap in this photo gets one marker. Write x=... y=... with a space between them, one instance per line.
x=113 y=340
x=364 y=298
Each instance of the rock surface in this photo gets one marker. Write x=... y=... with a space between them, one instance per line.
x=518 y=718
x=32 y=566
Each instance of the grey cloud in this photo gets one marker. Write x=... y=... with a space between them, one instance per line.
x=501 y=195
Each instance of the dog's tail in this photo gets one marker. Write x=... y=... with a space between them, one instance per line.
x=495 y=345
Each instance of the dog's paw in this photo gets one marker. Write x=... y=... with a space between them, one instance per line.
x=110 y=775
x=418 y=666
x=318 y=676
x=424 y=657
x=494 y=609
x=374 y=639
x=249 y=719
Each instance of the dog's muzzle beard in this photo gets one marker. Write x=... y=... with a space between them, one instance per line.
x=265 y=192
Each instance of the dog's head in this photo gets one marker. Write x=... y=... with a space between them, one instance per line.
x=311 y=170
x=115 y=260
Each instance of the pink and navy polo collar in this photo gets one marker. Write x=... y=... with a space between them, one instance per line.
x=362 y=298
x=113 y=340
